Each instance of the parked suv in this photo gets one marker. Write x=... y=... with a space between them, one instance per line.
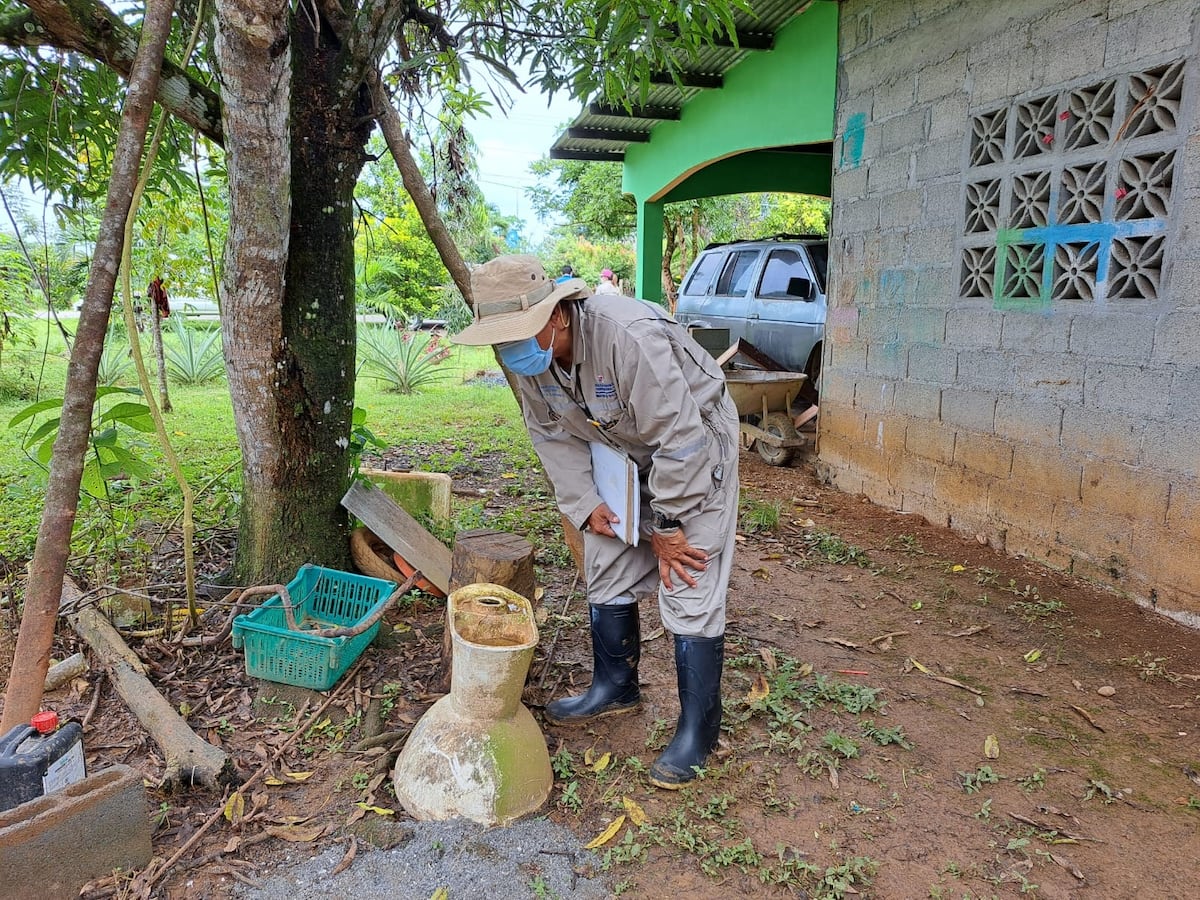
x=770 y=292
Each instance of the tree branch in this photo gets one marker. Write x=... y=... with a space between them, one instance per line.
x=46 y=570
x=414 y=183
x=92 y=29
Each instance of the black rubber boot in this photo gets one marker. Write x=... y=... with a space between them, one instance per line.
x=616 y=650
x=698 y=663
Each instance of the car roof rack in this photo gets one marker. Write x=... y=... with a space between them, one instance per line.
x=782 y=236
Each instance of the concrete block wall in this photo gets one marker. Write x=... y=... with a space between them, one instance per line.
x=1065 y=428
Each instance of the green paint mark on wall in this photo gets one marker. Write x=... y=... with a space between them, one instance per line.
x=853 y=136
x=1022 y=272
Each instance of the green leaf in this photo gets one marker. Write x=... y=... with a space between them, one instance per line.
x=105 y=438
x=124 y=411
x=34 y=408
x=105 y=390
x=49 y=427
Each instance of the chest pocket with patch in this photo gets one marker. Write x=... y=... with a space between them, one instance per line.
x=606 y=407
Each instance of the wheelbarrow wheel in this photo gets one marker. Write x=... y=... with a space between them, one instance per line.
x=780 y=425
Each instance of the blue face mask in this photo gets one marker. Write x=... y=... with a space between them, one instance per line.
x=526 y=357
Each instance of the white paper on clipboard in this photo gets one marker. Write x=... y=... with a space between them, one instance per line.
x=616 y=478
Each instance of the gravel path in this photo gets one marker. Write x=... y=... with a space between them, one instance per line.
x=534 y=858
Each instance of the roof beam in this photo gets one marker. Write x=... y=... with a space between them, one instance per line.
x=748 y=40
x=588 y=155
x=608 y=134
x=650 y=113
x=689 y=80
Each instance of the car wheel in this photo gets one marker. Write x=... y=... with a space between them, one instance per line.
x=780 y=425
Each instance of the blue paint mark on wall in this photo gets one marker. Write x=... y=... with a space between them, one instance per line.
x=852 y=141
x=1034 y=250
x=896 y=287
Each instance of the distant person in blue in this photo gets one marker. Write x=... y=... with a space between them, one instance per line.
x=567 y=274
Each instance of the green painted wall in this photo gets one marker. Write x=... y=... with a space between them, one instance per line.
x=723 y=139
x=760 y=171
x=771 y=99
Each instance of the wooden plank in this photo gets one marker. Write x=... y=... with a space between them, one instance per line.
x=400 y=531
x=742 y=347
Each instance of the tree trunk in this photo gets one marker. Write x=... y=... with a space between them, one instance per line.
x=164 y=398
x=289 y=351
x=668 y=279
x=46 y=570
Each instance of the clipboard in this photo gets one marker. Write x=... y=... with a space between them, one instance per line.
x=616 y=478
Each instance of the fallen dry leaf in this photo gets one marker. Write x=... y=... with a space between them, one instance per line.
x=636 y=814
x=378 y=810
x=1065 y=863
x=759 y=690
x=991 y=747
x=295 y=834
x=768 y=657
x=602 y=763
x=967 y=632
x=235 y=806
x=1087 y=716
x=607 y=834
x=840 y=642
x=347 y=857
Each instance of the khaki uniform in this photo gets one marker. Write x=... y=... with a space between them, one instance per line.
x=641 y=385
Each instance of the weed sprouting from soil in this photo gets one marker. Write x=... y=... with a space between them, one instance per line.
x=759 y=516
x=831 y=548
x=1150 y=667
x=773 y=722
x=973 y=782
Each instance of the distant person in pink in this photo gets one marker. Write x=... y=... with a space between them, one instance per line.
x=606 y=285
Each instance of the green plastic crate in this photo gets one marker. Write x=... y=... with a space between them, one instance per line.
x=321 y=598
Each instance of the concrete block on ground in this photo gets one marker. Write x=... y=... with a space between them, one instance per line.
x=52 y=846
x=417 y=492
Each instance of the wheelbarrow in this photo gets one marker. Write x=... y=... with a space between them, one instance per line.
x=764 y=402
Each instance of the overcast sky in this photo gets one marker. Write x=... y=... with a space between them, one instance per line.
x=508 y=144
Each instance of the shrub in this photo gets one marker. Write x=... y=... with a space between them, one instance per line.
x=405 y=361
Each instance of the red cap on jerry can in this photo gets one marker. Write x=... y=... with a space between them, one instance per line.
x=45 y=721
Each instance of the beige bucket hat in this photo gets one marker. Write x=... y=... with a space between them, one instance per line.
x=514 y=299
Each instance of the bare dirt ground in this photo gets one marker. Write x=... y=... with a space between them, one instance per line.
x=907 y=714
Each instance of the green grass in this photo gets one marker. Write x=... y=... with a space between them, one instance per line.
x=446 y=423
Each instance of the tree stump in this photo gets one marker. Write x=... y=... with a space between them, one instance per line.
x=574 y=540
x=486 y=555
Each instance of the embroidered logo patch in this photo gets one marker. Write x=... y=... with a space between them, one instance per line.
x=605 y=390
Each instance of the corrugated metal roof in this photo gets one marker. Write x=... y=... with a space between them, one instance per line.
x=604 y=131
